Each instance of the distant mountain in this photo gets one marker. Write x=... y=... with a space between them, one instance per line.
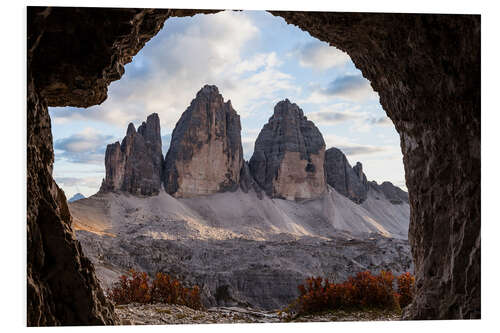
x=77 y=196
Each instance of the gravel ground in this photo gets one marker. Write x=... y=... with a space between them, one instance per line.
x=166 y=314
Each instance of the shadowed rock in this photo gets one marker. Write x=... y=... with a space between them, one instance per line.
x=205 y=154
x=427 y=73
x=348 y=181
x=289 y=155
x=393 y=193
x=135 y=166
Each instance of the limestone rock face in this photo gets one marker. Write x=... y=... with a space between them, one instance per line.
x=72 y=56
x=205 y=154
x=348 y=181
x=135 y=165
x=430 y=88
x=289 y=155
x=393 y=193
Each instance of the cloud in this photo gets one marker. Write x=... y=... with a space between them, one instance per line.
x=353 y=149
x=87 y=146
x=329 y=116
x=361 y=150
x=351 y=87
x=319 y=55
x=187 y=54
x=382 y=121
x=92 y=182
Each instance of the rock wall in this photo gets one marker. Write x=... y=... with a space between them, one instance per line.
x=73 y=55
x=289 y=154
x=205 y=154
x=348 y=181
x=427 y=74
x=135 y=165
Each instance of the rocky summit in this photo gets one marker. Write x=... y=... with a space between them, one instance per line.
x=289 y=155
x=349 y=181
x=135 y=165
x=205 y=154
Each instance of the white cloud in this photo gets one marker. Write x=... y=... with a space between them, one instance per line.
x=321 y=56
x=187 y=54
x=86 y=146
x=335 y=114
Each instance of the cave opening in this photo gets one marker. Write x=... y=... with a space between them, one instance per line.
x=410 y=120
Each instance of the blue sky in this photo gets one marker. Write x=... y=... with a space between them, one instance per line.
x=256 y=60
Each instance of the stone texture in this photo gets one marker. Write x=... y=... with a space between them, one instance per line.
x=393 y=193
x=427 y=74
x=72 y=55
x=205 y=154
x=288 y=160
x=62 y=288
x=348 y=181
x=135 y=165
x=80 y=51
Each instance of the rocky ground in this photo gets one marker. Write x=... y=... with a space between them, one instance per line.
x=239 y=249
x=167 y=314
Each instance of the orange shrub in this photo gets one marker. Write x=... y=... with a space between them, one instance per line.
x=163 y=289
x=361 y=291
x=406 y=285
x=133 y=289
x=167 y=290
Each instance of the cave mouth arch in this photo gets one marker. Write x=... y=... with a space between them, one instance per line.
x=333 y=93
x=434 y=102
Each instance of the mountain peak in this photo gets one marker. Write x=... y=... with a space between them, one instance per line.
x=135 y=165
x=289 y=155
x=208 y=90
x=205 y=154
x=76 y=197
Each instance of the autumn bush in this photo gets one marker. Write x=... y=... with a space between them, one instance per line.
x=406 y=285
x=363 y=291
x=136 y=288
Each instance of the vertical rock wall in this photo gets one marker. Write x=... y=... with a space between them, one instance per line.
x=289 y=154
x=348 y=181
x=135 y=165
x=205 y=154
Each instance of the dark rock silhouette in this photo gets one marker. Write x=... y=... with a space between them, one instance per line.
x=289 y=155
x=348 y=181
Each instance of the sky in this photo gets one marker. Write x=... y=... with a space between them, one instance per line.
x=256 y=60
